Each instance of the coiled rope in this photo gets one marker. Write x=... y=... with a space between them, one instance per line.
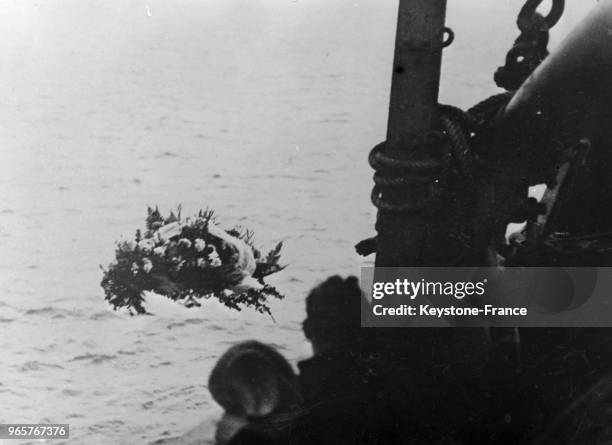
x=422 y=173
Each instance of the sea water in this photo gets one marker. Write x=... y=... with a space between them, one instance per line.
x=262 y=110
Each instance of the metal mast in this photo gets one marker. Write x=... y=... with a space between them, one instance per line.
x=412 y=115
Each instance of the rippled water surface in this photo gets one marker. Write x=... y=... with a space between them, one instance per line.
x=262 y=110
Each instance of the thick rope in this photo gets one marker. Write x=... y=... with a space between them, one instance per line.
x=403 y=170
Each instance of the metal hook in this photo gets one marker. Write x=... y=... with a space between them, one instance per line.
x=450 y=37
x=529 y=10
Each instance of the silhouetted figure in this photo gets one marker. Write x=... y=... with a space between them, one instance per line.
x=349 y=392
x=252 y=382
x=351 y=395
x=332 y=326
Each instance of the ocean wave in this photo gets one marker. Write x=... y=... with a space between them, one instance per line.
x=71 y=392
x=34 y=365
x=167 y=154
x=94 y=358
x=178 y=324
x=157 y=365
x=103 y=315
x=53 y=312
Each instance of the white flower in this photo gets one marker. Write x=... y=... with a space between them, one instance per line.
x=201 y=262
x=213 y=258
x=184 y=242
x=129 y=245
x=178 y=262
x=169 y=231
x=146 y=244
x=161 y=250
x=147 y=265
x=200 y=244
x=134 y=268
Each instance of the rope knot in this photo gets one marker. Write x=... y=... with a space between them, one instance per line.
x=411 y=179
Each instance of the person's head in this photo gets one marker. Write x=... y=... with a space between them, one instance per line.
x=333 y=315
x=252 y=380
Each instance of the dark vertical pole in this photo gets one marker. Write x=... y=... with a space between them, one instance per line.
x=408 y=233
x=412 y=114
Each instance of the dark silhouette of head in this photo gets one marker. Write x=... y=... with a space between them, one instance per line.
x=252 y=380
x=333 y=315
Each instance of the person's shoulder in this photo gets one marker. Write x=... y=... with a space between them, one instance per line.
x=248 y=437
x=253 y=436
